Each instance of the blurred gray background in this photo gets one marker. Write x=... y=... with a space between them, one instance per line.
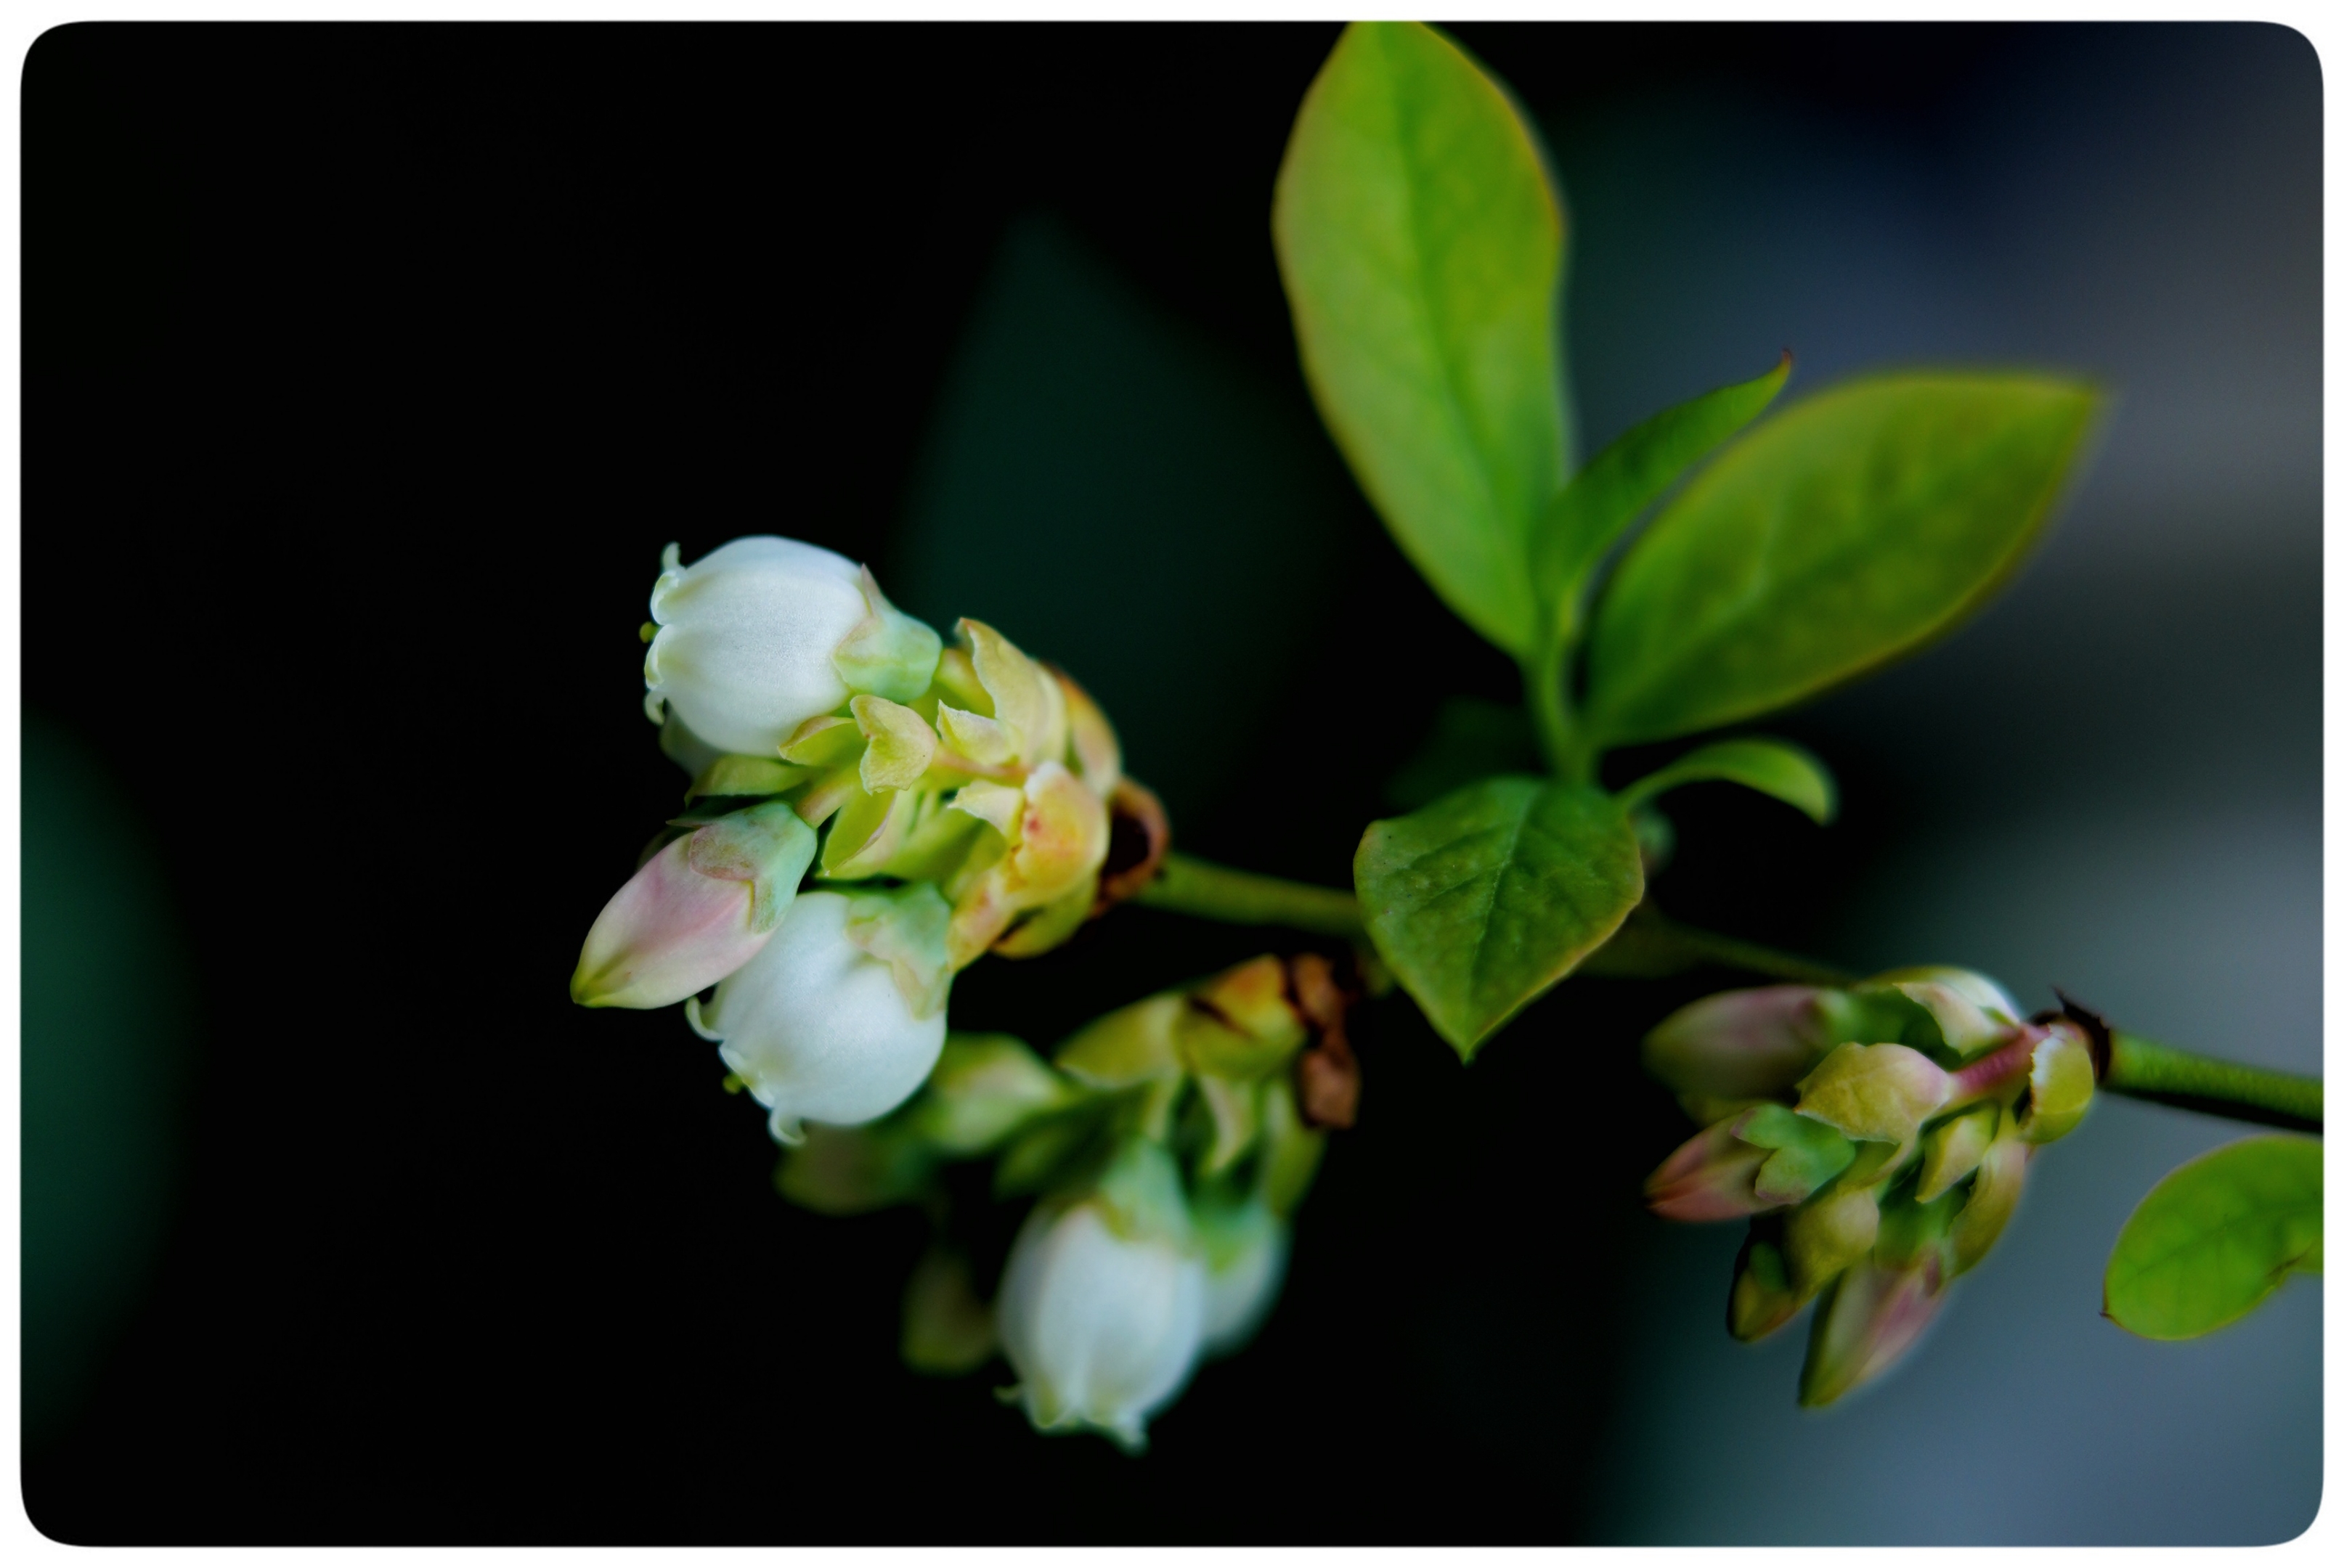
x=2115 y=772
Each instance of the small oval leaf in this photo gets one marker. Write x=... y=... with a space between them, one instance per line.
x=1421 y=247
x=1844 y=532
x=2216 y=1236
x=1791 y=774
x=1492 y=893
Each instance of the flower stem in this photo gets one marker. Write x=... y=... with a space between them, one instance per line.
x=1192 y=887
x=2147 y=1071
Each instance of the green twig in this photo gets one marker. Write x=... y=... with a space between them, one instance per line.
x=1193 y=886
x=1650 y=945
x=2144 y=1070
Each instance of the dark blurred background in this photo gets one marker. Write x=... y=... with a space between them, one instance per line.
x=366 y=370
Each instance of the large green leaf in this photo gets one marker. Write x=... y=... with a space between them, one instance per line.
x=1421 y=244
x=2216 y=1236
x=1791 y=774
x=1491 y=894
x=1840 y=534
x=1628 y=474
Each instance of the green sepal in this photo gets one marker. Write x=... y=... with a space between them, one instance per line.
x=1054 y=1152
x=957 y=683
x=901 y=745
x=1052 y=925
x=936 y=846
x=745 y=776
x=1290 y=1150
x=1992 y=1199
x=1912 y=1230
x=903 y=928
x=768 y=846
x=1140 y=1193
x=889 y=654
x=1234 y=1108
x=1806 y=1153
x=1790 y=774
x=1129 y=1046
x=824 y=742
x=1951 y=1151
x=984 y=1088
x=866 y=833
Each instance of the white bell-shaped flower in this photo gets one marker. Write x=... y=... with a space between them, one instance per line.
x=841 y=1015
x=1102 y=1308
x=764 y=633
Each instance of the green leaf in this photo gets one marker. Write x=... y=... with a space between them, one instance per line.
x=2216 y=1236
x=1847 y=530
x=1791 y=774
x=1628 y=474
x=1422 y=245
x=1491 y=894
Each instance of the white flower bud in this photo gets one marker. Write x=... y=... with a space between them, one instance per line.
x=834 y=1020
x=764 y=633
x=1102 y=1311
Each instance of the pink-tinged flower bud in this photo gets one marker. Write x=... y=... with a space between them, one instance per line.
x=1710 y=1176
x=1740 y=1044
x=1872 y=1316
x=696 y=911
x=1762 y=1158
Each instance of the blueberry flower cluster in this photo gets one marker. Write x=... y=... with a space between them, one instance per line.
x=1876 y=1137
x=871 y=811
x=1163 y=1146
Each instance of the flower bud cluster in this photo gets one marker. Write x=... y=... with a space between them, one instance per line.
x=945 y=802
x=1875 y=1136
x=1164 y=1146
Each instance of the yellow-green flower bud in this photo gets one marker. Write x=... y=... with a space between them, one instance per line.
x=2059 y=1086
x=1994 y=1197
x=1826 y=1234
x=1875 y=1094
x=1951 y=1151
